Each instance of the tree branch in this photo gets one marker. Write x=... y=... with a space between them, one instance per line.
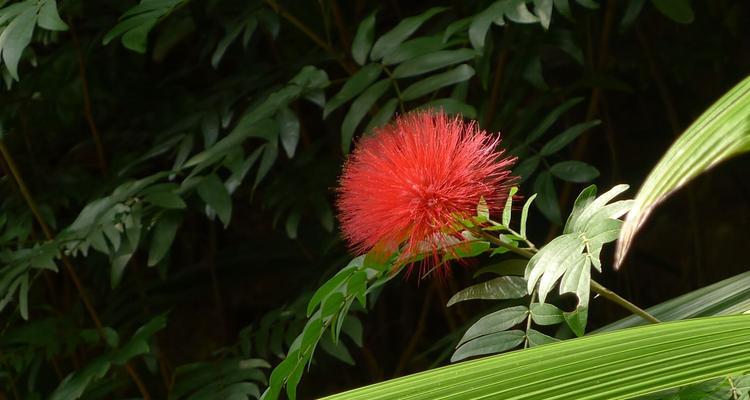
x=26 y=194
x=87 y=113
x=310 y=34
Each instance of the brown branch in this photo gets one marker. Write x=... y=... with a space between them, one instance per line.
x=615 y=298
x=46 y=274
x=338 y=18
x=87 y=113
x=212 y=253
x=661 y=86
x=310 y=34
x=497 y=81
x=376 y=373
x=26 y=194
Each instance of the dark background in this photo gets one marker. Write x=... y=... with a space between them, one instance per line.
x=646 y=81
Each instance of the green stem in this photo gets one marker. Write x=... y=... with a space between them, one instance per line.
x=528 y=320
x=615 y=298
x=395 y=87
x=595 y=286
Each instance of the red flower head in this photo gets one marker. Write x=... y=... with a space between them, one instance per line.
x=403 y=186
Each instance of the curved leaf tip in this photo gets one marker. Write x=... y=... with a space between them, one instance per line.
x=719 y=133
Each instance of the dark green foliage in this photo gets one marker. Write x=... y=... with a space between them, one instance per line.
x=182 y=157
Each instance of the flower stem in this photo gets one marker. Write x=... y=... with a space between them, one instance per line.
x=526 y=253
x=595 y=286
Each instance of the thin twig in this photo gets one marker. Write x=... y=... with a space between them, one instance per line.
x=497 y=242
x=615 y=298
x=26 y=194
x=310 y=34
x=344 y=35
x=47 y=279
x=87 y=113
x=528 y=320
x=497 y=81
x=394 y=82
x=211 y=256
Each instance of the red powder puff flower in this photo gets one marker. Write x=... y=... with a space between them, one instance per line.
x=403 y=187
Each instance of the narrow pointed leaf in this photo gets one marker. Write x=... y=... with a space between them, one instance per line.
x=719 y=133
x=362 y=42
x=435 y=82
x=504 y=287
x=617 y=365
x=389 y=41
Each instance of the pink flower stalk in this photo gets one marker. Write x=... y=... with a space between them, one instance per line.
x=403 y=187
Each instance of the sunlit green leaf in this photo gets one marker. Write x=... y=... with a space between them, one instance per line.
x=669 y=354
x=525 y=214
x=719 y=133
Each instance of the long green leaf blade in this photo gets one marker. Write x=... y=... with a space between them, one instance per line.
x=617 y=365
x=720 y=133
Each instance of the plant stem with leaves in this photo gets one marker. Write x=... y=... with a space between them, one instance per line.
x=595 y=286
